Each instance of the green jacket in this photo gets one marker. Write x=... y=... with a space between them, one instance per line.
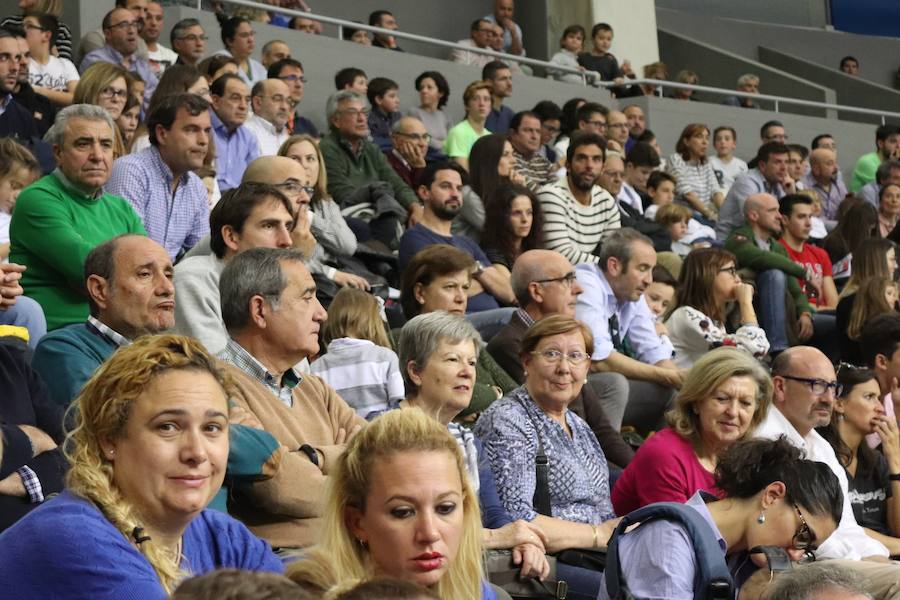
x=750 y=256
x=346 y=172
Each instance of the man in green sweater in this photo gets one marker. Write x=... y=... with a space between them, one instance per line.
x=756 y=247
x=360 y=178
x=61 y=217
x=887 y=147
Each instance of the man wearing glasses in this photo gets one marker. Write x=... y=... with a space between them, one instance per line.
x=96 y=39
x=120 y=30
x=480 y=36
x=290 y=71
x=272 y=106
x=410 y=142
x=188 y=41
x=805 y=388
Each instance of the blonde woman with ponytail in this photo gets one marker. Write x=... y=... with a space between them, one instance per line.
x=400 y=505
x=148 y=451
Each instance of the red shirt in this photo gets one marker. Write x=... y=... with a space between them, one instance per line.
x=664 y=469
x=816 y=262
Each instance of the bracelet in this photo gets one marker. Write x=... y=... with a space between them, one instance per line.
x=894 y=476
x=594 y=542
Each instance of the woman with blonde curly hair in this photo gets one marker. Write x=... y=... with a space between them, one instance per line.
x=725 y=396
x=400 y=505
x=107 y=86
x=148 y=452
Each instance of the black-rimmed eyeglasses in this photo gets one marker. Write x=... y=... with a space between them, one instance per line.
x=819 y=386
x=568 y=279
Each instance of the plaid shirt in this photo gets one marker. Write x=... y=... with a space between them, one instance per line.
x=107 y=332
x=176 y=221
x=243 y=360
x=32 y=484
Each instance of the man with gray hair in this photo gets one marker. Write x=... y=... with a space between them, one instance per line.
x=818 y=581
x=271 y=102
x=544 y=284
x=60 y=218
x=273 y=51
x=359 y=176
x=410 y=145
x=748 y=83
x=273 y=318
x=625 y=338
x=188 y=41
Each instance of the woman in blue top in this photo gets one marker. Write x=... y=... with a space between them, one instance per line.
x=400 y=505
x=774 y=497
x=147 y=453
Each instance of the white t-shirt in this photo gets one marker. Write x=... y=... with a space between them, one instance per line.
x=55 y=75
x=162 y=59
x=726 y=173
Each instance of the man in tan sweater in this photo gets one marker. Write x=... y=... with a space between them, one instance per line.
x=270 y=310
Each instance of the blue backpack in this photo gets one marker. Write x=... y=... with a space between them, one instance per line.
x=713 y=581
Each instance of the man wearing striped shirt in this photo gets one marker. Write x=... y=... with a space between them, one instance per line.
x=525 y=137
x=577 y=211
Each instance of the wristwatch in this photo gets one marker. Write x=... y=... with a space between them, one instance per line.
x=479 y=269
x=311 y=453
x=894 y=476
x=777 y=559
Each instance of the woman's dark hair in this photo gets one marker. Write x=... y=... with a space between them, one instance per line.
x=687 y=133
x=497 y=233
x=745 y=468
x=569 y=123
x=483 y=161
x=177 y=79
x=230 y=26
x=696 y=281
x=850 y=377
x=856 y=222
x=440 y=81
x=547 y=110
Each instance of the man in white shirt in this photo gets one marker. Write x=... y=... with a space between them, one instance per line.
x=805 y=387
x=160 y=57
x=272 y=105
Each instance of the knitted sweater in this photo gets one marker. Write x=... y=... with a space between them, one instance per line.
x=53 y=229
x=198 y=309
x=286 y=509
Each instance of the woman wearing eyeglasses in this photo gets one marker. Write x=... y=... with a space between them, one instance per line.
x=773 y=497
x=108 y=86
x=724 y=397
x=874 y=477
x=707 y=284
x=535 y=419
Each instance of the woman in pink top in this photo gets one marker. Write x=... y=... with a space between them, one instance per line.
x=725 y=396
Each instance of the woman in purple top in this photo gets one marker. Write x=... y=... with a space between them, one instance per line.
x=725 y=396
x=148 y=453
x=773 y=497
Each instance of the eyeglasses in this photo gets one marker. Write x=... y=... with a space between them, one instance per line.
x=355 y=113
x=549 y=129
x=803 y=539
x=614 y=174
x=193 y=37
x=293 y=188
x=567 y=280
x=299 y=78
x=112 y=92
x=819 y=386
x=126 y=25
x=618 y=125
x=597 y=124
x=732 y=270
x=417 y=137
x=554 y=356
x=33 y=27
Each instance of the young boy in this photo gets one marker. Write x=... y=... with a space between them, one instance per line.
x=601 y=60
x=384 y=96
x=659 y=295
x=726 y=165
x=661 y=189
x=569 y=46
x=674 y=218
x=49 y=75
x=352 y=78
x=18 y=169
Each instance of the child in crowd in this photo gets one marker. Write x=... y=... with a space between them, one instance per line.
x=659 y=296
x=674 y=218
x=18 y=169
x=601 y=60
x=648 y=137
x=569 y=46
x=359 y=364
x=798 y=164
x=352 y=78
x=661 y=189
x=384 y=96
x=726 y=165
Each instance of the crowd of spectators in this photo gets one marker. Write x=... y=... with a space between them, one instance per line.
x=234 y=347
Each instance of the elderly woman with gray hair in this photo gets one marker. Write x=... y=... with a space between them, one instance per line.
x=438 y=352
x=725 y=396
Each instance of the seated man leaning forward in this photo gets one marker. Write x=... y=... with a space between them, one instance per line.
x=626 y=341
x=61 y=217
x=271 y=312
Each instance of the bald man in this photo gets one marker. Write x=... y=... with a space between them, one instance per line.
x=410 y=145
x=823 y=178
x=272 y=105
x=544 y=284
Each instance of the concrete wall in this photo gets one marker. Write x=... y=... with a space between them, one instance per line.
x=809 y=13
x=634 y=23
x=722 y=69
x=877 y=55
x=849 y=90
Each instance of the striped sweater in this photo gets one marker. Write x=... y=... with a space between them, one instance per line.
x=573 y=229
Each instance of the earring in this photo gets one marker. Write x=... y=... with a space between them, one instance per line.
x=525 y=373
x=362 y=543
x=761 y=518
x=840 y=417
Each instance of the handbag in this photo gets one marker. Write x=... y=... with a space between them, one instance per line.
x=503 y=573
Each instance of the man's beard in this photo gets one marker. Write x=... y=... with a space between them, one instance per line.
x=445 y=213
x=583 y=183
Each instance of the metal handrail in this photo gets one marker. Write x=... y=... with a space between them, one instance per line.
x=341 y=23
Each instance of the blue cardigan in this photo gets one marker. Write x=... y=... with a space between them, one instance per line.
x=68 y=549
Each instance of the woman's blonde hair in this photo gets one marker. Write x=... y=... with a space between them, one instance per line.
x=869 y=260
x=357 y=314
x=50 y=7
x=869 y=302
x=102 y=410
x=95 y=79
x=711 y=371
x=339 y=556
x=321 y=185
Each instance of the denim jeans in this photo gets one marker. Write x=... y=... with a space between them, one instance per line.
x=771 y=287
x=26 y=313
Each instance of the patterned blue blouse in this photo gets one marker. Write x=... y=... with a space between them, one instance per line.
x=578 y=473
